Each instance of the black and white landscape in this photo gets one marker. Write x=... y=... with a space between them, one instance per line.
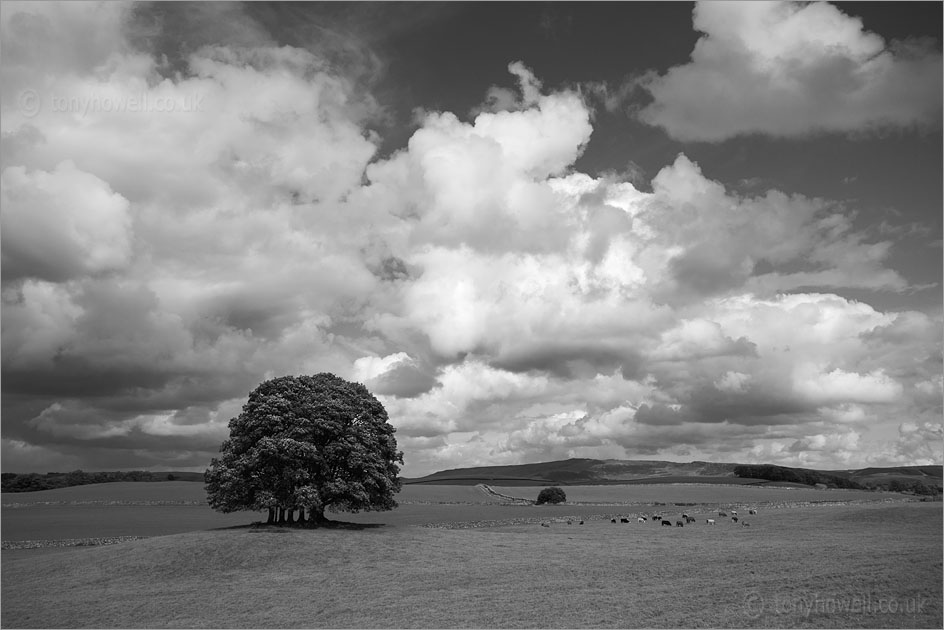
x=698 y=234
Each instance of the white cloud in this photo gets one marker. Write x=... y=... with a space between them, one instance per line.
x=38 y=318
x=501 y=304
x=916 y=443
x=367 y=368
x=61 y=224
x=792 y=69
x=819 y=386
x=697 y=338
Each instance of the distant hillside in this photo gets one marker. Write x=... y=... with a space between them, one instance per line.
x=578 y=472
x=901 y=478
x=919 y=479
x=574 y=472
x=934 y=472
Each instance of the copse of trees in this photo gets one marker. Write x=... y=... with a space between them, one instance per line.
x=33 y=482
x=916 y=486
x=794 y=475
x=303 y=445
x=552 y=495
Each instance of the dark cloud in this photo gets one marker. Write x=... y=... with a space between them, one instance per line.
x=702 y=273
x=172 y=31
x=77 y=377
x=577 y=359
x=404 y=380
x=754 y=407
x=661 y=415
x=392 y=269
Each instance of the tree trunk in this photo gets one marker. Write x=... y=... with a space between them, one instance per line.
x=316 y=516
x=281 y=515
x=291 y=515
x=301 y=515
x=271 y=516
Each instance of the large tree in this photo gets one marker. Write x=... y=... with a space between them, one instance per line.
x=305 y=444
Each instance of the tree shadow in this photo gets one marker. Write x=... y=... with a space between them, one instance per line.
x=284 y=528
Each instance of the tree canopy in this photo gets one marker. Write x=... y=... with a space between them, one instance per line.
x=795 y=475
x=554 y=494
x=307 y=443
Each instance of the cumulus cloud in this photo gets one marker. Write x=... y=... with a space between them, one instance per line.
x=820 y=386
x=61 y=224
x=503 y=305
x=791 y=69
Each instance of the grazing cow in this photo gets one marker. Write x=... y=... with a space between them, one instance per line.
x=711 y=521
x=612 y=520
x=666 y=523
x=752 y=511
x=570 y=522
x=545 y=524
x=746 y=524
x=734 y=513
x=641 y=519
x=734 y=518
x=722 y=513
x=690 y=519
x=679 y=524
x=581 y=522
x=624 y=520
x=685 y=516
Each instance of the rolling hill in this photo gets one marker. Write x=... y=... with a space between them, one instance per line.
x=574 y=472
x=609 y=471
x=578 y=472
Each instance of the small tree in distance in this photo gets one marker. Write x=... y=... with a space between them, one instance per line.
x=305 y=444
x=553 y=495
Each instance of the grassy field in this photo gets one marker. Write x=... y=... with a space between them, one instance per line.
x=183 y=492
x=123 y=491
x=875 y=565
x=695 y=493
x=154 y=509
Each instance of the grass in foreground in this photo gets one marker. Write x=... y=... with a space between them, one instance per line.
x=597 y=575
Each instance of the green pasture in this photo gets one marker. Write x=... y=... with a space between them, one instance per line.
x=155 y=509
x=829 y=566
x=194 y=492
x=697 y=493
x=122 y=491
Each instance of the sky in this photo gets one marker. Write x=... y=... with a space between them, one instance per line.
x=534 y=231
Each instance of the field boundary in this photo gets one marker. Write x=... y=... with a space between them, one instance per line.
x=120 y=502
x=505 y=497
x=68 y=542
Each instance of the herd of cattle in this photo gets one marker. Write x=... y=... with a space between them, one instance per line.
x=665 y=521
